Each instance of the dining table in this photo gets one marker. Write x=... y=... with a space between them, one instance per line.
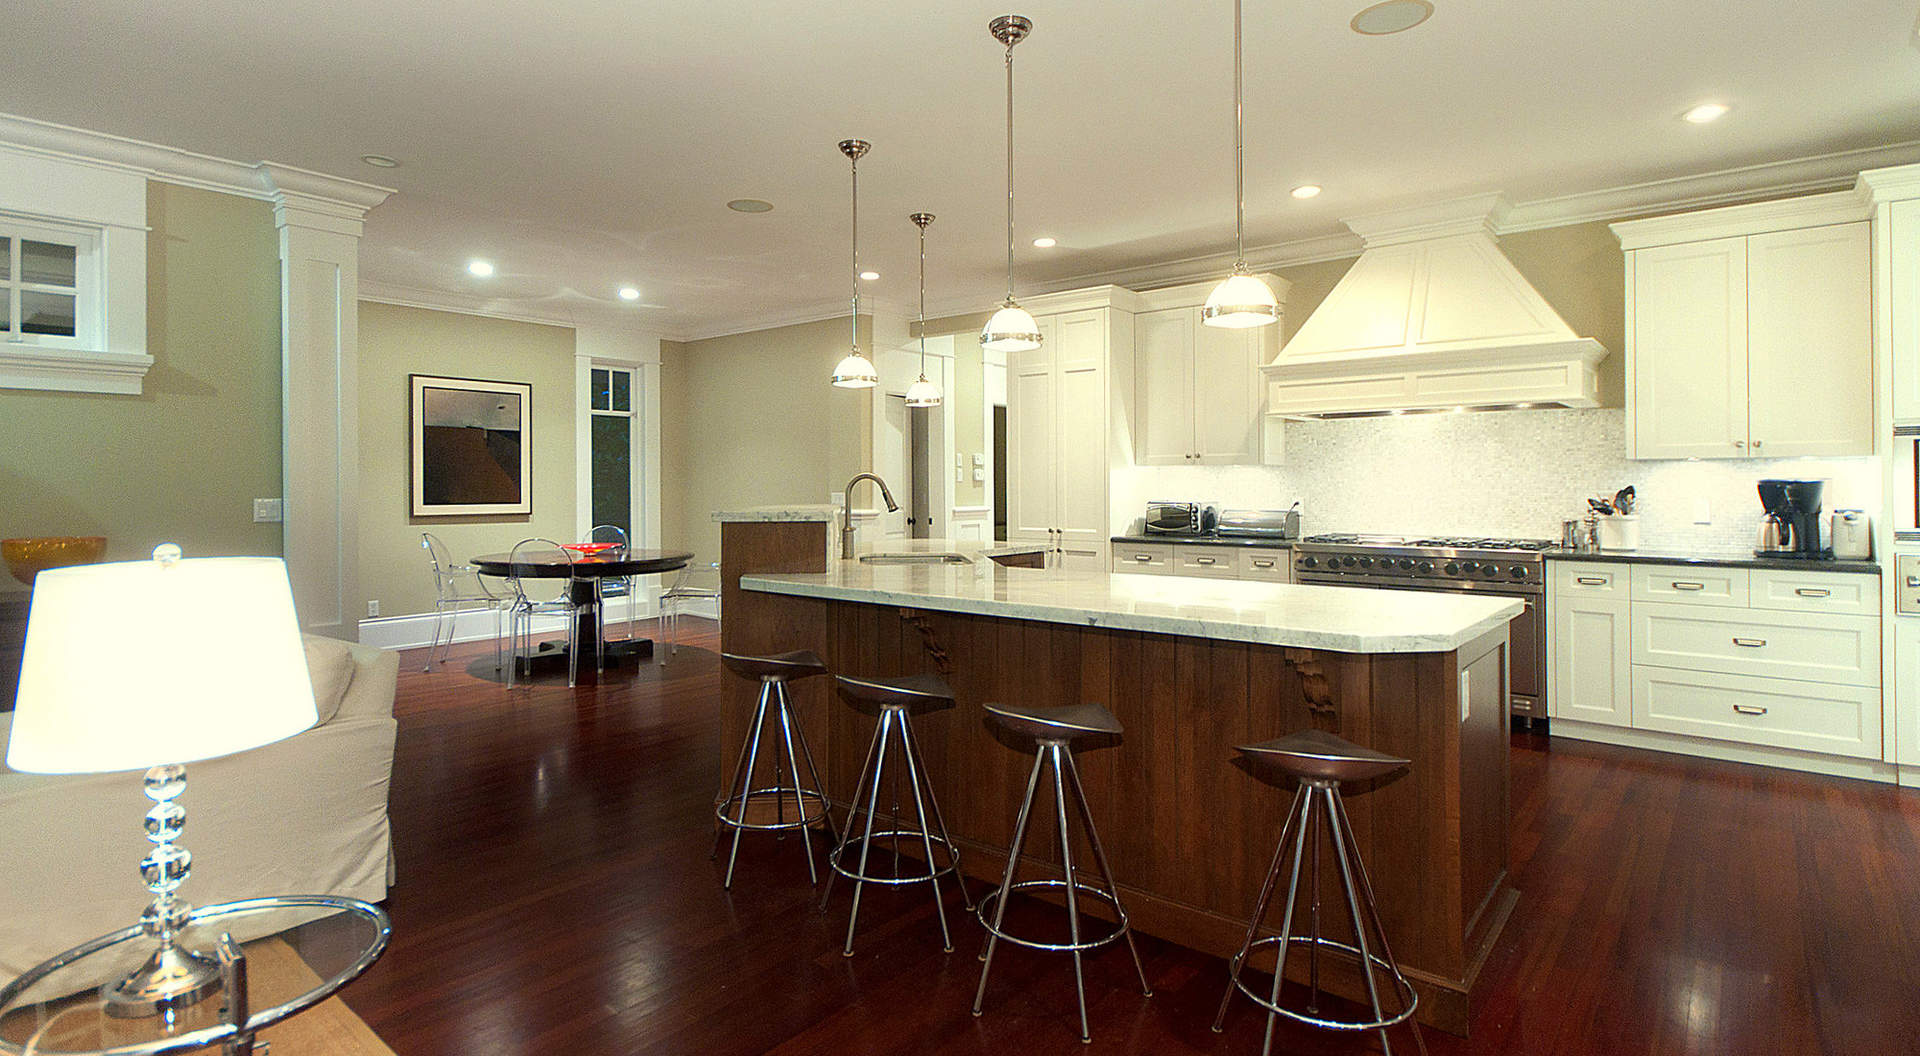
x=585 y=567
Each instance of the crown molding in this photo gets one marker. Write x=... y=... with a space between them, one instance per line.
x=459 y=304
x=1779 y=214
x=817 y=312
x=264 y=180
x=1889 y=184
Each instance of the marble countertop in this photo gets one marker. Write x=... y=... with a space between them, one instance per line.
x=794 y=512
x=962 y=547
x=1335 y=618
x=1714 y=559
x=1255 y=542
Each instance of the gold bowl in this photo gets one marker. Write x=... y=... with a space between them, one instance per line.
x=27 y=558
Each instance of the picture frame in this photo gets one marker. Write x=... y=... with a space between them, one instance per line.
x=471 y=447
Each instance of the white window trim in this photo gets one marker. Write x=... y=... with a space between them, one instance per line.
x=108 y=208
x=89 y=324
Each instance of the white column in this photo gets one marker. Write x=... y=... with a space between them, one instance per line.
x=320 y=423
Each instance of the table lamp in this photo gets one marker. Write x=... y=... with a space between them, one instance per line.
x=151 y=665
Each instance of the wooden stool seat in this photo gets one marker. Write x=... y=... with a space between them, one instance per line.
x=801 y=663
x=1067 y=723
x=908 y=691
x=1315 y=755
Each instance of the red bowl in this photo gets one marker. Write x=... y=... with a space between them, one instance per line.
x=589 y=548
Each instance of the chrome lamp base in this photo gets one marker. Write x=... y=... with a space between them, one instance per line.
x=172 y=978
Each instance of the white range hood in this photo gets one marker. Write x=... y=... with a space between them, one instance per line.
x=1432 y=317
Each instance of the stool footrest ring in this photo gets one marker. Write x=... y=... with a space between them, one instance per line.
x=853 y=842
x=1403 y=989
x=986 y=921
x=732 y=810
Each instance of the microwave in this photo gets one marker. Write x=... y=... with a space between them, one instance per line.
x=1178 y=518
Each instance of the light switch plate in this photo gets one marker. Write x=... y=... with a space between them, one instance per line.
x=268 y=511
x=959 y=459
x=979 y=475
x=959 y=475
x=979 y=458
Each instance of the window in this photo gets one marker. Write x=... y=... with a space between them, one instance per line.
x=612 y=446
x=49 y=285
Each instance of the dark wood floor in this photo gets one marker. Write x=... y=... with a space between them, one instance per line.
x=555 y=896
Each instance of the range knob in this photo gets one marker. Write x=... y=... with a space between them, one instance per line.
x=1406 y=564
x=1518 y=571
x=1347 y=561
x=1309 y=562
x=1452 y=569
x=1426 y=568
x=1469 y=567
x=1366 y=562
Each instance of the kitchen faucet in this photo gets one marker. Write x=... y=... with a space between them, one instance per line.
x=846 y=513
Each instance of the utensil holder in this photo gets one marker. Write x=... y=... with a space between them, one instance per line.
x=1620 y=532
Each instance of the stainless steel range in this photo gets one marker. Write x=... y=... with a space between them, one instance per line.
x=1455 y=564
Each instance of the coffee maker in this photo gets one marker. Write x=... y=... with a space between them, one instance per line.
x=1791 y=527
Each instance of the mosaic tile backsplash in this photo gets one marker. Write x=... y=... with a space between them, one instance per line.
x=1506 y=473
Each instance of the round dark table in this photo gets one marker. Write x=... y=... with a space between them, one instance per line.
x=585 y=570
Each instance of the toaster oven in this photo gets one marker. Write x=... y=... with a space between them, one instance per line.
x=1178 y=518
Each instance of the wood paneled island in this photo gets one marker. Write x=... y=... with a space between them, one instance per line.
x=1191 y=668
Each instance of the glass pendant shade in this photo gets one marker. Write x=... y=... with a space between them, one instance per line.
x=923 y=393
x=1011 y=329
x=856 y=372
x=1241 y=301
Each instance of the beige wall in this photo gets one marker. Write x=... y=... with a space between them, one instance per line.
x=396 y=342
x=969 y=415
x=750 y=419
x=183 y=461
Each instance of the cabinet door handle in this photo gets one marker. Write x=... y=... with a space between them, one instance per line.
x=1749 y=709
x=1262 y=564
x=1204 y=560
x=1756 y=445
x=1750 y=643
x=1143 y=557
x=1813 y=592
x=1740 y=443
x=1591 y=581
x=1678 y=585
x=1913 y=581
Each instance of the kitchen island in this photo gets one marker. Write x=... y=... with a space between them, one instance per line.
x=1191 y=668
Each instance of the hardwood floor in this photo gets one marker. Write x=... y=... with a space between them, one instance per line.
x=555 y=895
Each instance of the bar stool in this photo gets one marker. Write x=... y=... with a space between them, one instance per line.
x=1321 y=761
x=896 y=699
x=1053 y=731
x=774 y=672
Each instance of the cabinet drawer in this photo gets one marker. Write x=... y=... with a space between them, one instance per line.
x=1203 y=561
x=1273 y=566
x=1142 y=557
x=1590 y=579
x=1794 y=591
x=1815 y=646
x=1837 y=720
x=1689 y=586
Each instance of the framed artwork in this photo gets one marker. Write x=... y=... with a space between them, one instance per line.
x=472 y=447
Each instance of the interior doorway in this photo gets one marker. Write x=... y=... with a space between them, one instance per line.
x=1000 y=472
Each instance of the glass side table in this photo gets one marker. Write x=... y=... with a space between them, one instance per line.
x=285 y=955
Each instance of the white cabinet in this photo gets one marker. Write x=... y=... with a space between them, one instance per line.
x=1587 y=652
x=1749 y=331
x=1902 y=262
x=1906 y=697
x=1198 y=389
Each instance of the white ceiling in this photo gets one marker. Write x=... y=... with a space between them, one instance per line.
x=582 y=146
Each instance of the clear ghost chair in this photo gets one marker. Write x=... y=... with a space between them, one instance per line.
x=612 y=533
x=526 y=607
x=458 y=588
x=698 y=581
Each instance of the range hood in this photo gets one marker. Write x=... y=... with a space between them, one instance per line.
x=1432 y=317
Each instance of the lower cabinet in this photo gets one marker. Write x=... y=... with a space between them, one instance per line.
x=1205 y=561
x=1755 y=656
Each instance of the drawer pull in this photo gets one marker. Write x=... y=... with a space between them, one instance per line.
x=1591 y=581
x=1813 y=592
x=1750 y=643
x=1263 y=564
x=1748 y=709
x=1203 y=560
x=1680 y=585
x=1913 y=581
x=1143 y=557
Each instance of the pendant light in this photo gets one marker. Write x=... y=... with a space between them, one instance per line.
x=1012 y=328
x=1242 y=300
x=856 y=371
x=923 y=393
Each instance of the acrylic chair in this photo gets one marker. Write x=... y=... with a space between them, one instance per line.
x=526 y=607
x=458 y=588
x=698 y=581
x=612 y=533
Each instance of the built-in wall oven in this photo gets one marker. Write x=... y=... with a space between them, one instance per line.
x=1513 y=568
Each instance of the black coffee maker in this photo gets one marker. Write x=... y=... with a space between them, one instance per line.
x=1791 y=527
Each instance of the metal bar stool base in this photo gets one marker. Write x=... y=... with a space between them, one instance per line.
x=789 y=750
x=1404 y=989
x=990 y=898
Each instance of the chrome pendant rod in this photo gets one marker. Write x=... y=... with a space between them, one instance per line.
x=921 y=220
x=1010 y=172
x=1239 y=158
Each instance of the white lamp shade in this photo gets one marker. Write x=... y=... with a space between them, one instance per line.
x=1011 y=329
x=1240 y=302
x=923 y=393
x=856 y=372
x=140 y=664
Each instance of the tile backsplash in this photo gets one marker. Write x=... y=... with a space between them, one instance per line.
x=1507 y=473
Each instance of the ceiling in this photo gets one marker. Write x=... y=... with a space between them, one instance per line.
x=583 y=146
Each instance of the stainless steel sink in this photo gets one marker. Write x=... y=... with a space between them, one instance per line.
x=914 y=559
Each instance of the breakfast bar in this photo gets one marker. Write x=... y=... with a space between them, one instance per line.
x=1191 y=668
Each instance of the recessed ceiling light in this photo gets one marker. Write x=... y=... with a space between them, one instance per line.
x=628 y=293
x=1045 y=243
x=1391 y=16
x=1306 y=190
x=869 y=275
x=380 y=161
x=479 y=268
x=750 y=205
x=1705 y=112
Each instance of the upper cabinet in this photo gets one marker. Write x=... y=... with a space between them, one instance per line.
x=1749 y=331
x=1197 y=387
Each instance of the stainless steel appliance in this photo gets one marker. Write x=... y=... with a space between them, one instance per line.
x=1514 y=568
x=1178 y=518
x=1852 y=535
x=1792 y=524
x=1260 y=524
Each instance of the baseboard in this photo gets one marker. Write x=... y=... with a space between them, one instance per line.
x=1759 y=755
x=477 y=625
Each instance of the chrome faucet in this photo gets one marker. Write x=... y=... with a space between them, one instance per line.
x=846 y=512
